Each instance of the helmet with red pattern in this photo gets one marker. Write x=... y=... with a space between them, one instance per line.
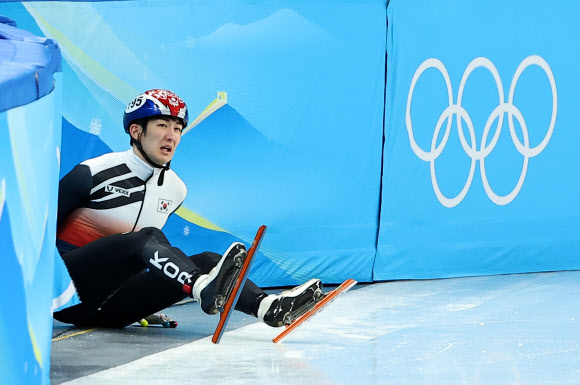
x=154 y=103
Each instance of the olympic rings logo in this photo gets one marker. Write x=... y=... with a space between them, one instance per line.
x=455 y=109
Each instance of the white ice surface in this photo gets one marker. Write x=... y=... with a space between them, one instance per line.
x=513 y=329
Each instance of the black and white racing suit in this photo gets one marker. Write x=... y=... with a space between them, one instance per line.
x=110 y=213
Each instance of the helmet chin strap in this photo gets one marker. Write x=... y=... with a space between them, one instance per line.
x=152 y=163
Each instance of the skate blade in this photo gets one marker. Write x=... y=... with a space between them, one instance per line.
x=320 y=305
x=222 y=299
x=235 y=295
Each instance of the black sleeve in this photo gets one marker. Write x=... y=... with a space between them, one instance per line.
x=74 y=190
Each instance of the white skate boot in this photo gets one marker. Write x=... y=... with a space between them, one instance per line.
x=213 y=290
x=281 y=309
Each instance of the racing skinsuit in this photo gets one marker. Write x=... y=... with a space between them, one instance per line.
x=110 y=213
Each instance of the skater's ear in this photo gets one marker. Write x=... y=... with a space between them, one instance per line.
x=135 y=130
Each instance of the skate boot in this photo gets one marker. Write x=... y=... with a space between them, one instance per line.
x=213 y=290
x=282 y=309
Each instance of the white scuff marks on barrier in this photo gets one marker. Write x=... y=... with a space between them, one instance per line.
x=459 y=306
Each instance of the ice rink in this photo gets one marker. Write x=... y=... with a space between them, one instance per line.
x=508 y=329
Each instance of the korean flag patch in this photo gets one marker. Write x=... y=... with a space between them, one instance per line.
x=164 y=206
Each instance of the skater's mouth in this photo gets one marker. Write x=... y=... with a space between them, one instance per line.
x=167 y=149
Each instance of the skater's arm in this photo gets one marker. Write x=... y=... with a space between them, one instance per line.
x=73 y=190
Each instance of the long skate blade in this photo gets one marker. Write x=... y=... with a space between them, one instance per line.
x=236 y=290
x=328 y=298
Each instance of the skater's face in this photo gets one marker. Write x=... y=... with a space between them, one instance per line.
x=160 y=139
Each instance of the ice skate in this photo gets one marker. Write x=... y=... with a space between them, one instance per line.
x=319 y=305
x=234 y=293
x=282 y=309
x=213 y=290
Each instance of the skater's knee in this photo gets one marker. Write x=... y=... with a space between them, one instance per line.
x=148 y=233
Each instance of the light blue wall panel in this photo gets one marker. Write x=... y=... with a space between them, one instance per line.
x=480 y=172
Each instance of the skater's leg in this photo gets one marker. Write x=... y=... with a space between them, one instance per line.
x=141 y=296
x=128 y=300
x=101 y=267
x=146 y=293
